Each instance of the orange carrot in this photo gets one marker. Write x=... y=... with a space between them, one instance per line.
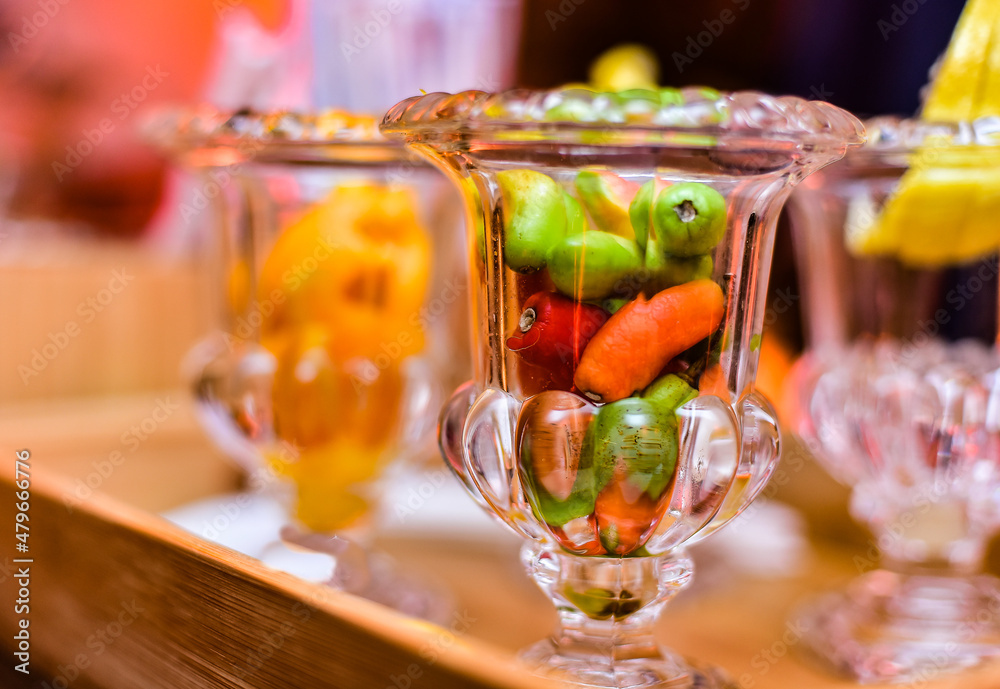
x=631 y=349
x=626 y=515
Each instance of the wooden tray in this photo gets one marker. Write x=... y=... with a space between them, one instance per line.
x=120 y=598
x=210 y=616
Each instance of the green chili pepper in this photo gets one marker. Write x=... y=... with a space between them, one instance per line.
x=590 y=265
x=640 y=211
x=641 y=433
x=556 y=457
x=669 y=392
x=534 y=211
x=689 y=219
x=576 y=219
x=602 y=604
x=663 y=271
x=638 y=434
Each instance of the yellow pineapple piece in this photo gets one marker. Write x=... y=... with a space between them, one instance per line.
x=928 y=214
x=957 y=89
x=945 y=207
x=988 y=95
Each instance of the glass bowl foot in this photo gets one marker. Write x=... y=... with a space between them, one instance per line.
x=362 y=571
x=607 y=608
x=663 y=670
x=412 y=595
x=890 y=627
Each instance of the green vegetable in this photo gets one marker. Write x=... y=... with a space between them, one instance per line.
x=638 y=94
x=669 y=392
x=582 y=496
x=602 y=604
x=590 y=265
x=671 y=96
x=642 y=435
x=709 y=93
x=576 y=219
x=576 y=106
x=555 y=456
x=638 y=104
x=689 y=219
x=612 y=304
x=534 y=211
x=663 y=271
x=640 y=211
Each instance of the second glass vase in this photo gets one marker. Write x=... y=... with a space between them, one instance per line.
x=899 y=392
x=339 y=274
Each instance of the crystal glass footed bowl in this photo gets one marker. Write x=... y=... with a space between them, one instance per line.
x=340 y=260
x=619 y=260
x=899 y=390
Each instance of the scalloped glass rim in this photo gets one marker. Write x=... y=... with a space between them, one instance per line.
x=635 y=118
x=893 y=133
x=325 y=136
x=900 y=142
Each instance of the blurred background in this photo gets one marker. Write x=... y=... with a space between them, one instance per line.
x=103 y=277
x=82 y=195
x=108 y=277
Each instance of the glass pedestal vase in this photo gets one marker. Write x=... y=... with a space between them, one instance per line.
x=619 y=253
x=339 y=257
x=898 y=393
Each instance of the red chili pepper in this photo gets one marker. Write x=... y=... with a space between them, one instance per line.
x=554 y=330
x=536 y=379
